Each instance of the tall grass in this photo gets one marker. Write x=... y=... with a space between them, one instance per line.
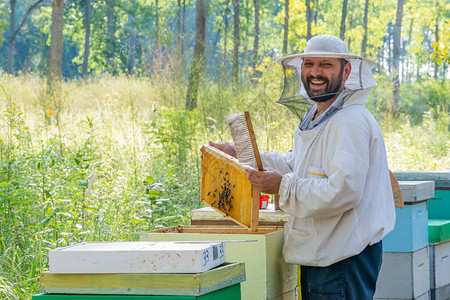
x=119 y=155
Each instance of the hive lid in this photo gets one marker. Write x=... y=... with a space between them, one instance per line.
x=226 y=188
x=438 y=230
x=137 y=257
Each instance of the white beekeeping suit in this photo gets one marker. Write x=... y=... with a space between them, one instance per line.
x=335 y=183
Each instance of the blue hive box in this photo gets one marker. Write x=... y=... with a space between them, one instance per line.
x=411 y=225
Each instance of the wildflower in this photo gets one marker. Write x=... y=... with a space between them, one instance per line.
x=49 y=112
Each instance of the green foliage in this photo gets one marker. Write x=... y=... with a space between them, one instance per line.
x=440 y=54
x=420 y=148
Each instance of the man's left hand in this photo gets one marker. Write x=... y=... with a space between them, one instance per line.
x=267 y=181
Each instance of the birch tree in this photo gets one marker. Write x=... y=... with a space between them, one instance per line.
x=396 y=59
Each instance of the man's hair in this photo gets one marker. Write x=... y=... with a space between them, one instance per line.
x=344 y=62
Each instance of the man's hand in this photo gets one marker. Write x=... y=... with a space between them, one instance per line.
x=225 y=147
x=267 y=181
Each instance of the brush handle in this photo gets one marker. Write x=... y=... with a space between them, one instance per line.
x=253 y=140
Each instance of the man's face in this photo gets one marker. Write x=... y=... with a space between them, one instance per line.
x=323 y=78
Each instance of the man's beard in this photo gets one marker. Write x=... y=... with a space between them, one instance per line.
x=331 y=88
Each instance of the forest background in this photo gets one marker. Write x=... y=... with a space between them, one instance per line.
x=105 y=104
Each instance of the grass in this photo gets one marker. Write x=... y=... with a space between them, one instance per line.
x=119 y=155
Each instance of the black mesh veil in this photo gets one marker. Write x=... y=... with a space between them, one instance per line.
x=290 y=95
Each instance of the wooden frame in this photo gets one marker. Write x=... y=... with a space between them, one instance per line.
x=226 y=188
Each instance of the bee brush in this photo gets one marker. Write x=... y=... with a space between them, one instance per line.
x=241 y=129
x=244 y=139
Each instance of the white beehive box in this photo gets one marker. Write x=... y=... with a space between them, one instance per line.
x=404 y=275
x=137 y=257
x=440 y=264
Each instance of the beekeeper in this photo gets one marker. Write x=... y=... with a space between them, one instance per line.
x=335 y=182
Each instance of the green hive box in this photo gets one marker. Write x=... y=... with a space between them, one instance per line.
x=228 y=293
x=438 y=230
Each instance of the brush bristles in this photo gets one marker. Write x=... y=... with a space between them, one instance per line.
x=241 y=139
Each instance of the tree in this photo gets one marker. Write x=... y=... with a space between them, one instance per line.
x=110 y=34
x=57 y=42
x=132 y=55
x=309 y=18
x=199 y=53
x=87 y=37
x=343 y=17
x=13 y=32
x=396 y=60
x=236 y=41
x=286 y=27
x=256 y=35
x=365 y=28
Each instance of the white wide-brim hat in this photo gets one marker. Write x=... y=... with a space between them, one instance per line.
x=325 y=46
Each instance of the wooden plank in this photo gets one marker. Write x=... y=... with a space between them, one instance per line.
x=149 y=283
x=217 y=229
x=226 y=188
x=267 y=217
x=396 y=190
x=256 y=194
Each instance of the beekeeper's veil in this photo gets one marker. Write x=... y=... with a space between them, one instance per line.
x=358 y=84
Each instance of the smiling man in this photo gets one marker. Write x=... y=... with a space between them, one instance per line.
x=335 y=182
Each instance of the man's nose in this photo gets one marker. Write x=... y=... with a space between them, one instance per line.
x=316 y=70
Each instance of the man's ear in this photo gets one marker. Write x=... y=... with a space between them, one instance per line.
x=347 y=71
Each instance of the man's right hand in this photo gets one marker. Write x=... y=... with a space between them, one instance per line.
x=225 y=147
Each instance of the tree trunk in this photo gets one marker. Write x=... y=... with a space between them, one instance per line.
x=12 y=38
x=199 y=53
x=236 y=41
x=247 y=22
x=110 y=33
x=344 y=15
x=408 y=75
x=183 y=27
x=179 y=26
x=55 y=61
x=309 y=19
x=132 y=56
x=87 y=37
x=436 y=35
x=13 y=32
x=158 y=29
x=225 y=43
x=57 y=41
x=286 y=27
x=396 y=60
x=256 y=36
x=365 y=28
